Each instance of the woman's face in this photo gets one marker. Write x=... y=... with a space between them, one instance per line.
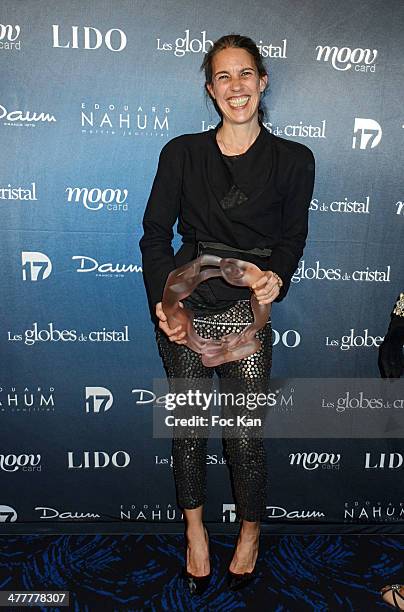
x=236 y=85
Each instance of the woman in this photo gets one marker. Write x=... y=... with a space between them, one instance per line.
x=237 y=191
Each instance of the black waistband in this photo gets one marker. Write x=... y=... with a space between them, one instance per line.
x=220 y=246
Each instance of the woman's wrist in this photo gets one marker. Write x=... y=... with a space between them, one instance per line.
x=279 y=280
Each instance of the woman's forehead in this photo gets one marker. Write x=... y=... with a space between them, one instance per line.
x=232 y=58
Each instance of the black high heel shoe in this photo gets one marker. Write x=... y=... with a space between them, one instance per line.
x=197 y=585
x=235 y=582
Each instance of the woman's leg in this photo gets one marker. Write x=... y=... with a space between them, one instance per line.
x=244 y=380
x=185 y=372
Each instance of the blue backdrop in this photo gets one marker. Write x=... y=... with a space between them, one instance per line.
x=90 y=93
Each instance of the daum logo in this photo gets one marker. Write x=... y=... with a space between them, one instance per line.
x=89 y=264
x=8 y=37
x=52 y=513
x=98 y=399
x=367 y=133
x=27 y=118
x=277 y=512
x=89 y=38
x=344 y=58
x=35 y=266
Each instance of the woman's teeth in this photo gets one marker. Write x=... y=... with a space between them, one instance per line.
x=237 y=102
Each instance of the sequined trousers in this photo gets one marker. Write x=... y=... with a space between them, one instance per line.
x=244 y=448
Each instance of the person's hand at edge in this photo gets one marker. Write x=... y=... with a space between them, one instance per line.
x=173 y=335
x=267 y=288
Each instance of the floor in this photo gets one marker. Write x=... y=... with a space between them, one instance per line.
x=295 y=573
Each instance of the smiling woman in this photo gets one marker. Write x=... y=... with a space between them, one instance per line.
x=236 y=79
x=237 y=191
x=236 y=89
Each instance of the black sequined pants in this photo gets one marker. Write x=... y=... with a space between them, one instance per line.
x=244 y=445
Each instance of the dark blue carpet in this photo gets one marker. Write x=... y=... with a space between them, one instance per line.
x=320 y=573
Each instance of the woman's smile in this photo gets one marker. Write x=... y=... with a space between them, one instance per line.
x=239 y=101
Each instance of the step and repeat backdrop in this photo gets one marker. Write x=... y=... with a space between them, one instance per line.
x=89 y=94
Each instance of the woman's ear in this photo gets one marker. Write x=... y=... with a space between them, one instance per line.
x=209 y=89
x=263 y=82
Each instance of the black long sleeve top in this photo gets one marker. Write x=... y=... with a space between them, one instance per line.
x=191 y=184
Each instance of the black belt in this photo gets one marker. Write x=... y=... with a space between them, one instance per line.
x=225 y=247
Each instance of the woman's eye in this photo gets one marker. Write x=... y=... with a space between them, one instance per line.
x=223 y=76
x=247 y=73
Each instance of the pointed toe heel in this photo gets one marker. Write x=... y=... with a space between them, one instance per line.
x=197 y=585
x=235 y=582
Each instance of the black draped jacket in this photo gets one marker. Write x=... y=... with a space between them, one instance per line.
x=192 y=179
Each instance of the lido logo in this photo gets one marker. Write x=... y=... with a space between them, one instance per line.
x=98 y=459
x=35 y=266
x=98 y=399
x=394 y=461
x=367 y=133
x=90 y=38
x=289 y=338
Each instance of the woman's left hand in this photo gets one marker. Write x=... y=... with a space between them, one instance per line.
x=267 y=288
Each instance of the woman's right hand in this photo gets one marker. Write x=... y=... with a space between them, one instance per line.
x=174 y=335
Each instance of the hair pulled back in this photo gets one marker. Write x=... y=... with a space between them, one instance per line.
x=236 y=41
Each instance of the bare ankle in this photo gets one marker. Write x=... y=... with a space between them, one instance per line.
x=250 y=529
x=195 y=531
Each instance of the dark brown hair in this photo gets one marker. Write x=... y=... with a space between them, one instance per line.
x=239 y=42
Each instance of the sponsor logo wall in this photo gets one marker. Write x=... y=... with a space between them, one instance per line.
x=97 y=100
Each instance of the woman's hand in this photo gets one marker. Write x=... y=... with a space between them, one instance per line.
x=267 y=288
x=173 y=334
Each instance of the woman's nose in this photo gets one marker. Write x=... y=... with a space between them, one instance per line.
x=235 y=83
